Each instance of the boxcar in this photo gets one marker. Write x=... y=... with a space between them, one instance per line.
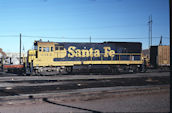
x=160 y=56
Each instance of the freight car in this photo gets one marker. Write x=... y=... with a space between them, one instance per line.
x=160 y=57
x=65 y=57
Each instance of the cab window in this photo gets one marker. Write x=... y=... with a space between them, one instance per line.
x=40 y=48
x=51 y=48
x=47 y=49
x=56 y=46
x=61 y=48
x=44 y=49
x=35 y=47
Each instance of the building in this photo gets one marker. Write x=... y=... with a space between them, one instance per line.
x=2 y=53
x=13 y=58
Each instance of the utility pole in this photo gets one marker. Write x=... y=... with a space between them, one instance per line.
x=160 y=42
x=150 y=30
x=20 y=49
x=90 y=39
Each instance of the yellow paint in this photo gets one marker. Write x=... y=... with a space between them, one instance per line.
x=31 y=55
x=97 y=53
x=71 y=63
x=73 y=52
x=109 y=52
x=85 y=53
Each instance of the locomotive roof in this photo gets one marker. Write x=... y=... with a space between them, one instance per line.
x=40 y=41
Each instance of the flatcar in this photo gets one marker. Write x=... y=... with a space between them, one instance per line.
x=65 y=57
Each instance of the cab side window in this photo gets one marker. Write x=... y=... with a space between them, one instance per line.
x=47 y=49
x=56 y=47
x=40 y=48
x=61 y=48
x=44 y=49
x=51 y=48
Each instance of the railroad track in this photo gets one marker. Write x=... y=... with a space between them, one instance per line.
x=17 y=86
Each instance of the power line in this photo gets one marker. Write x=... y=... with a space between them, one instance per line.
x=9 y=35
x=82 y=37
x=92 y=37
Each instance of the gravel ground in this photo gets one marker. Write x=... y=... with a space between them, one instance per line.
x=92 y=93
x=61 y=86
x=152 y=102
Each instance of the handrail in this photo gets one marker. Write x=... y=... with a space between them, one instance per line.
x=127 y=53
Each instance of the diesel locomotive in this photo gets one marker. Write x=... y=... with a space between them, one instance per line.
x=66 y=57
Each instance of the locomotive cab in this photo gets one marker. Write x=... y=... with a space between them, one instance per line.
x=41 y=59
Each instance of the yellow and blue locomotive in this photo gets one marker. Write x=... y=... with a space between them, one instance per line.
x=64 y=57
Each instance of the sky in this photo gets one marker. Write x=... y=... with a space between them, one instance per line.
x=78 y=20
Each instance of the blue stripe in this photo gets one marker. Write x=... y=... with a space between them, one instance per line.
x=115 y=58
